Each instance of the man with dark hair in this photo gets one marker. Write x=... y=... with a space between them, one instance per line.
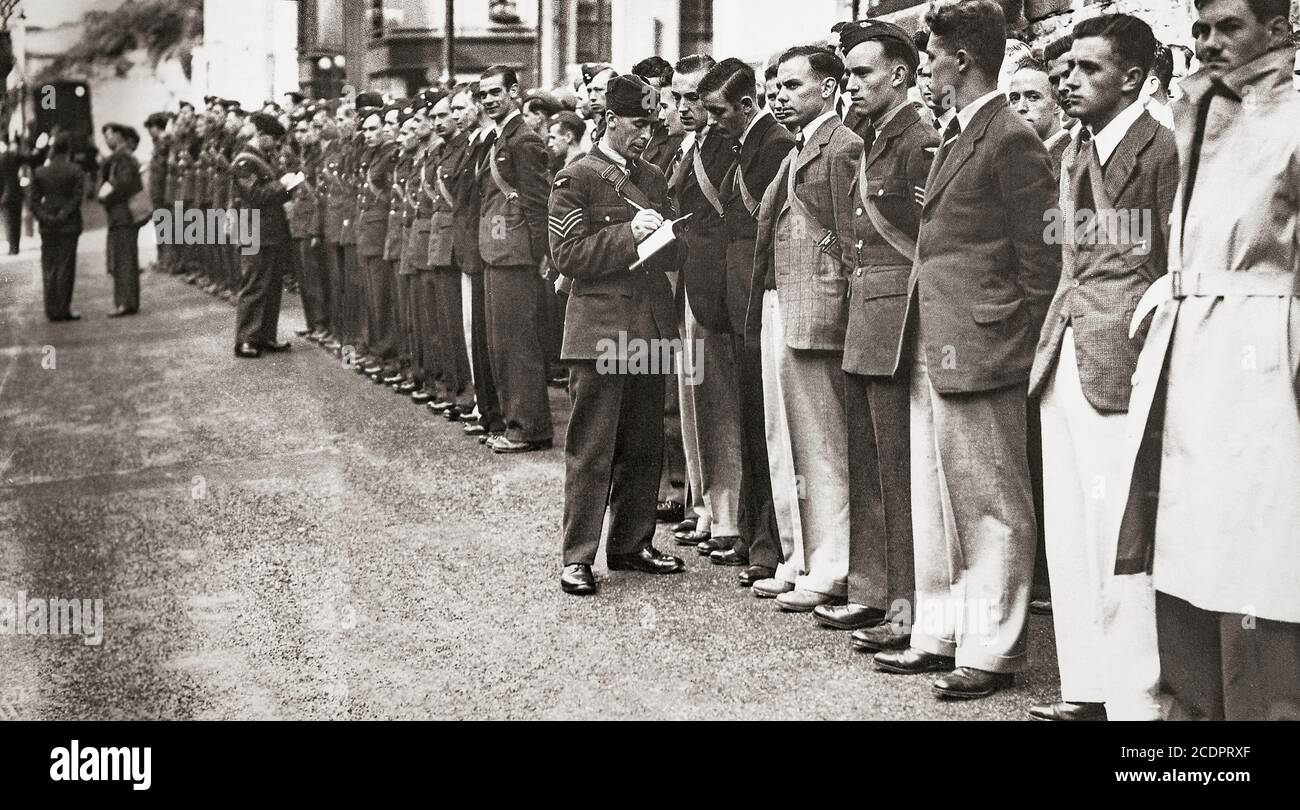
x=537 y=109
x=731 y=96
x=1121 y=162
x=710 y=415
x=512 y=184
x=890 y=184
x=120 y=180
x=1057 y=57
x=1215 y=407
x=55 y=201
x=381 y=347
x=984 y=276
x=259 y=187
x=655 y=70
x=601 y=207
x=798 y=310
x=1030 y=94
x=156 y=126
x=596 y=79
x=1156 y=90
x=564 y=137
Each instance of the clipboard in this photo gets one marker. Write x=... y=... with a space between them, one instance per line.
x=657 y=241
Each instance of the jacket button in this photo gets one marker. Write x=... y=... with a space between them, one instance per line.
x=858 y=272
x=857 y=211
x=880 y=192
x=607 y=217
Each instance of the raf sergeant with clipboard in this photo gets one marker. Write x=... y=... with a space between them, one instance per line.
x=602 y=207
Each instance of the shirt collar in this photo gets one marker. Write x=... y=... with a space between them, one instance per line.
x=887 y=117
x=965 y=114
x=753 y=121
x=1114 y=132
x=688 y=141
x=506 y=120
x=615 y=157
x=813 y=125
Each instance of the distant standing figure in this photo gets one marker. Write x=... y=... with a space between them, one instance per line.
x=11 y=193
x=119 y=180
x=56 y=192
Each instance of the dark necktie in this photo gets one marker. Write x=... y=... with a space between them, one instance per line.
x=798 y=142
x=949 y=140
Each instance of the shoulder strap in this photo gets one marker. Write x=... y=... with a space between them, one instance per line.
x=823 y=236
x=706 y=185
x=625 y=188
x=507 y=190
x=897 y=239
x=751 y=204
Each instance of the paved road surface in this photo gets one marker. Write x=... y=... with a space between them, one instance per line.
x=280 y=539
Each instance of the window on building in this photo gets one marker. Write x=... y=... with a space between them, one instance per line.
x=594 y=31
x=696 y=31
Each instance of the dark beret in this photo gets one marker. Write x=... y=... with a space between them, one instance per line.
x=365 y=100
x=267 y=124
x=210 y=99
x=158 y=119
x=426 y=99
x=862 y=31
x=592 y=69
x=630 y=97
x=570 y=119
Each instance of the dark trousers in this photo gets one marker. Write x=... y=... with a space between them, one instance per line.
x=230 y=262
x=336 y=287
x=550 y=326
x=612 y=454
x=485 y=389
x=408 y=354
x=449 y=322
x=518 y=361
x=258 y=310
x=58 y=271
x=355 y=301
x=1226 y=666
x=759 y=536
x=427 y=372
x=881 y=569
x=308 y=261
x=124 y=266
x=672 y=479
x=381 y=325
x=14 y=224
x=1041 y=588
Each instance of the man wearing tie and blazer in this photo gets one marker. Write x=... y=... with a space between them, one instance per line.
x=1120 y=160
x=802 y=263
x=983 y=275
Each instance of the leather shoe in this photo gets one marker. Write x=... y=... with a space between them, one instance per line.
x=577 y=580
x=302 y=332
x=879 y=637
x=800 y=600
x=753 y=573
x=690 y=538
x=912 y=662
x=1068 y=711
x=507 y=445
x=669 y=511
x=247 y=350
x=442 y=405
x=452 y=415
x=420 y=397
x=729 y=556
x=967 y=683
x=394 y=378
x=1040 y=607
x=850 y=616
x=119 y=312
x=716 y=544
x=770 y=588
x=468 y=416
x=687 y=525
x=474 y=429
x=406 y=386
x=276 y=346
x=648 y=560
x=490 y=439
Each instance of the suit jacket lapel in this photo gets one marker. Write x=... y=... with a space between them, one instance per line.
x=940 y=176
x=814 y=147
x=1120 y=169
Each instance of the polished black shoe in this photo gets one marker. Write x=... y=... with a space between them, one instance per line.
x=474 y=429
x=468 y=416
x=453 y=415
x=1040 y=607
x=847 y=617
x=913 y=662
x=687 y=525
x=754 y=573
x=669 y=511
x=1068 y=711
x=302 y=333
x=70 y=316
x=375 y=370
x=420 y=397
x=690 y=538
x=393 y=378
x=277 y=346
x=880 y=637
x=506 y=445
x=715 y=544
x=728 y=556
x=577 y=580
x=247 y=350
x=648 y=560
x=333 y=345
x=121 y=312
x=442 y=405
x=406 y=387
x=968 y=683
x=490 y=439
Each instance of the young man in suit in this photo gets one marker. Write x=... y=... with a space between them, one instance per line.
x=882 y=61
x=732 y=98
x=56 y=192
x=983 y=277
x=1033 y=99
x=710 y=408
x=1120 y=161
x=601 y=207
x=512 y=181
x=803 y=253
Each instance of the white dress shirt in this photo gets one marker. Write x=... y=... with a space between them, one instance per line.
x=1114 y=132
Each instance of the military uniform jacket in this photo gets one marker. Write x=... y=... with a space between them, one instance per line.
x=661 y=147
x=419 y=206
x=158 y=171
x=394 y=240
x=258 y=187
x=895 y=168
x=512 y=180
x=591 y=242
x=704 y=272
x=304 y=216
x=373 y=198
x=440 y=173
x=123 y=171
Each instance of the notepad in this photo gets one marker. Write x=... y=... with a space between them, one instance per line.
x=657 y=241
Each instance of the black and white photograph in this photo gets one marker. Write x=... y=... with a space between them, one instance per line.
x=696 y=360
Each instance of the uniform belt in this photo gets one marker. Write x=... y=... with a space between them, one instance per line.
x=881 y=255
x=1176 y=285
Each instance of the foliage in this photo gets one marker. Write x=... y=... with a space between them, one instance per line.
x=161 y=28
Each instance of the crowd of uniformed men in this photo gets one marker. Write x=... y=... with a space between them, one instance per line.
x=890 y=374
